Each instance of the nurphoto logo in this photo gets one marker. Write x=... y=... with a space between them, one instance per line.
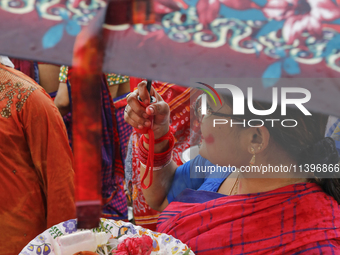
x=239 y=104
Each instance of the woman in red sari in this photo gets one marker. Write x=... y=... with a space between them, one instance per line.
x=247 y=212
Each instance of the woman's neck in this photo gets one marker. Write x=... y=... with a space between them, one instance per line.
x=257 y=185
x=269 y=173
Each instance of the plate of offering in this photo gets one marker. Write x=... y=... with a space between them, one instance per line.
x=110 y=238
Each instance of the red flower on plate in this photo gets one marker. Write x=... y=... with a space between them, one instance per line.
x=135 y=246
x=301 y=15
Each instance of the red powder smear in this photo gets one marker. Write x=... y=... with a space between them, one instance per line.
x=209 y=139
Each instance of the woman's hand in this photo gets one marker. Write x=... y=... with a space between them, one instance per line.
x=62 y=100
x=138 y=116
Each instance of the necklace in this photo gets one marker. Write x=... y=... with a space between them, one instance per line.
x=232 y=191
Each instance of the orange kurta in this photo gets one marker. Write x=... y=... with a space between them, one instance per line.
x=36 y=174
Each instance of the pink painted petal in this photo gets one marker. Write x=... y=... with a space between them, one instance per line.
x=324 y=10
x=278 y=4
x=276 y=9
x=314 y=27
x=182 y=4
x=294 y=26
x=207 y=10
x=161 y=9
x=273 y=13
x=76 y=3
x=239 y=4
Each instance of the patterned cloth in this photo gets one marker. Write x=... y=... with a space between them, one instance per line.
x=25 y=66
x=115 y=204
x=37 y=179
x=112 y=173
x=296 y=219
x=124 y=129
x=178 y=99
x=113 y=79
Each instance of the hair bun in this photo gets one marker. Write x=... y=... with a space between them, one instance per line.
x=322 y=152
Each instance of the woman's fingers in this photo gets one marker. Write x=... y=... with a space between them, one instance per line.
x=134 y=104
x=138 y=116
x=159 y=108
x=135 y=113
x=143 y=92
x=134 y=120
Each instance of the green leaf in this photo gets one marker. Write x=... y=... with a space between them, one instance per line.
x=187 y=252
x=119 y=236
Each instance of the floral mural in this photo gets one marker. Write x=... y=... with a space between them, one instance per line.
x=290 y=32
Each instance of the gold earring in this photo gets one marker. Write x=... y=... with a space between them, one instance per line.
x=252 y=161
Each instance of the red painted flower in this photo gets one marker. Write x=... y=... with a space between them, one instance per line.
x=135 y=246
x=207 y=10
x=301 y=15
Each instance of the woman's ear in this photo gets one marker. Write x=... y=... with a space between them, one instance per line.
x=258 y=139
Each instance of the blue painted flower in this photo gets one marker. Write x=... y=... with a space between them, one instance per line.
x=125 y=228
x=40 y=239
x=55 y=33
x=174 y=249
x=24 y=253
x=132 y=229
x=70 y=226
x=166 y=239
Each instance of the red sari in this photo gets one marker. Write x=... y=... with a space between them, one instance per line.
x=296 y=219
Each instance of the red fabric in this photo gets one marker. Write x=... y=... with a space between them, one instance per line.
x=299 y=219
x=134 y=82
x=178 y=99
x=24 y=66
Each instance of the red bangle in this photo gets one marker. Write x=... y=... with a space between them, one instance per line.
x=150 y=159
x=159 y=158
x=167 y=136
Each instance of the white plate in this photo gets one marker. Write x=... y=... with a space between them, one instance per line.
x=162 y=243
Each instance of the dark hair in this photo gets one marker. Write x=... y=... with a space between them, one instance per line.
x=305 y=142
